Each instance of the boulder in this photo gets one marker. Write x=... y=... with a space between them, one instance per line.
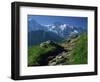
x=43 y=45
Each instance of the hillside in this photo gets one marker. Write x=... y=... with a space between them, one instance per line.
x=71 y=51
x=79 y=52
x=40 y=55
x=76 y=47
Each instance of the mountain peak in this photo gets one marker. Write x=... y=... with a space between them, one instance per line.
x=61 y=29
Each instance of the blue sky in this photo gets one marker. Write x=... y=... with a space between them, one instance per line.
x=75 y=21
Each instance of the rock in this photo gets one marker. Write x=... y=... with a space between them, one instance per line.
x=51 y=42
x=53 y=63
x=48 y=42
x=59 y=57
x=43 y=45
x=63 y=53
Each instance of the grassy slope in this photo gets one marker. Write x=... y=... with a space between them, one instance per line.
x=79 y=52
x=36 y=53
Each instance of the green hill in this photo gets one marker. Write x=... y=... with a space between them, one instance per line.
x=36 y=54
x=40 y=55
x=79 y=51
x=71 y=51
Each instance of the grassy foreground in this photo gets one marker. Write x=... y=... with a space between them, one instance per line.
x=79 y=52
x=76 y=53
x=37 y=53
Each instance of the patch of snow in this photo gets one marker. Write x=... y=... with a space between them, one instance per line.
x=75 y=31
x=53 y=27
x=47 y=25
x=55 y=31
x=62 y=27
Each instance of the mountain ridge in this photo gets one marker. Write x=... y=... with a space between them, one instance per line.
x=36 y=37
x=56 y=32
x=61 y=29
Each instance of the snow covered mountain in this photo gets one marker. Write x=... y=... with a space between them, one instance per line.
x=62 y=30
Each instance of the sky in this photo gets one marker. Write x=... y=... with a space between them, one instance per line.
x=45 y=20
